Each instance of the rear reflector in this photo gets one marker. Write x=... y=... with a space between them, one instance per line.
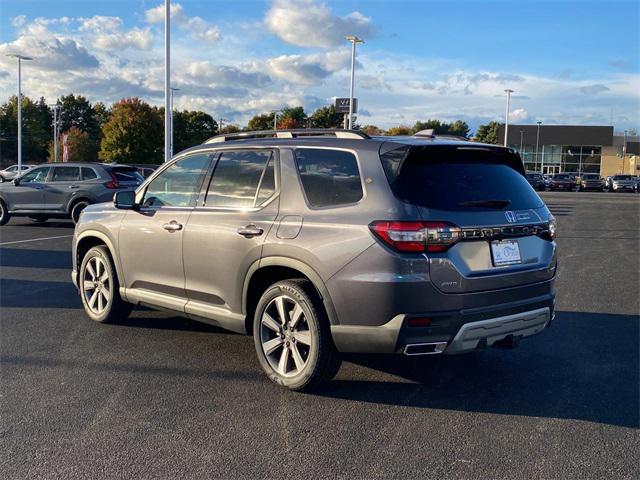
x=419 y=322
x=417 y=236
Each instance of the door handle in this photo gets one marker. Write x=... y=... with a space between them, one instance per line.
x=74 y=186
x=249 y=231
x=172 y=226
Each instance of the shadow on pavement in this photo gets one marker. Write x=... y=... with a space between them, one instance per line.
x=38 y=294
x=31 y=258
x=584 y=367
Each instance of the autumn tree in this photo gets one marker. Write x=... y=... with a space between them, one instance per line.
x=261 y=122
x=488 y=133
x=292 y=117
x=133 y=133
x=372 y=130
x=400 y=130
x=80 y=146
x=77 y=111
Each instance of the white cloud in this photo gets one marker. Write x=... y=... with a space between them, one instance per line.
x=106 y=33
x=307 y=23
x=196 y=26
x=594 y=89
x=308 y=69
x=18 y=21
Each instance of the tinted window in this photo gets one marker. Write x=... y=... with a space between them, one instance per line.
x=35 y=175
x=267 y=184
x=445 y=179
x=590 y=176
x=329 y=177
x=561 y=177
x=126 y=174
x=13 y=168
x=623 y=177
x=88 y=173
x=236 y=178
x=65 y=174
x=179 y=184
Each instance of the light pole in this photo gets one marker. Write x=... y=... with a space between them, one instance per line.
x=57 y=111
x=19 y=59
x=173 y=89
x=167 y=80
x=275 y=120
x=521 y=139
x=506 y=115
x=624 y=149
x=222 y=120
x=537 y=143
x=354 y=40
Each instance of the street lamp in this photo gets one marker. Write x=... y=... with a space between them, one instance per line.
x=19 y=59
x=172 y=89
x=624 y=149
x=354 y=40
x=537 y=143
x=222 y=120
x=57 y=113
x=506 y=115
x=521 y=139
x=167 y=80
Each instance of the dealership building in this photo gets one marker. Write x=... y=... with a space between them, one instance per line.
x=574 y=148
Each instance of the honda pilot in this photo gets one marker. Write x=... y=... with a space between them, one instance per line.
x=318 y=243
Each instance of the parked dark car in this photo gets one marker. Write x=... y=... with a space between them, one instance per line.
x=144 y=169
x=536 y=180
x=562 y=181
x=591 y=181
x=63 y=190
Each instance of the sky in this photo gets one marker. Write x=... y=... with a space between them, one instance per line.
x=572 y=62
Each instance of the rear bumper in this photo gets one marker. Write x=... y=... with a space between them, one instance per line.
x=450 y=332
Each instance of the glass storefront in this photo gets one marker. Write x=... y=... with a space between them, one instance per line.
x=561 y=158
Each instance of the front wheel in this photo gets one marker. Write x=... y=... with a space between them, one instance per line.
x=4 y=213
x=99 y=287
x=292 y=336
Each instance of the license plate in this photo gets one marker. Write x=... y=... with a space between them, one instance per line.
x=506 y=252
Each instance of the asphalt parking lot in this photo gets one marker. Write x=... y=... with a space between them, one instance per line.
x=163 y=397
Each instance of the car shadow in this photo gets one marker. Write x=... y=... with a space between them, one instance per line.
x=584 y=367
x=31 y=258
x=37 y=294
x=53 y=223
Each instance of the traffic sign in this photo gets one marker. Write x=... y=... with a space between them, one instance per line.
x=342 y=105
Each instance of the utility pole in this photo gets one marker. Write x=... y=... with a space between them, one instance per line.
x=354 y=40
x=275 y=120
x=506 y=115
x=171 y=123
x=624 y=150
x=537 y=142
x=521 y=139
x=57 y=112
x=19 y=59
x=167 y=80
x=222 y=120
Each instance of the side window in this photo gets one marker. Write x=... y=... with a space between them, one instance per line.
x=267 y=184
x=65 y=174
x=329 y=177
x=12 y=169
x=35 y=175
x=237 y=178
x=179 y=184
x=88 y=173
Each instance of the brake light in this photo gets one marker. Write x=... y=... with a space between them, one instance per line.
x=417 y=236
x=113 y=184
x=552 y=227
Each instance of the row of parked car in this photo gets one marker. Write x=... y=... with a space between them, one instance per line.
x=63 y=190
x=583 y=182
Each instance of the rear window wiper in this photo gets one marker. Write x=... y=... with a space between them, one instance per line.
x=485 y=203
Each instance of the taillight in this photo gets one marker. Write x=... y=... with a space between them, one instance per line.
x=113 y=184
x=552 y=227
x=417 y=236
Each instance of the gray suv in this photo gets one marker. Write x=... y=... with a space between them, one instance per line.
x=322 y=242
x=63 y=190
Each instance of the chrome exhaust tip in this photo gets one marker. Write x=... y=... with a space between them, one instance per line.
x=424 y=348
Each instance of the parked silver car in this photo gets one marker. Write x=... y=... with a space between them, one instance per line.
x=337 y=242
x=11 y=172
x=63 y=190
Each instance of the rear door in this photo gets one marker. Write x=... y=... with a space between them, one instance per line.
x=485 y=193
x=63 y=183
x=225 y=233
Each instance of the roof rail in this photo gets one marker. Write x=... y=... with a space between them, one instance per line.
x=291 y=133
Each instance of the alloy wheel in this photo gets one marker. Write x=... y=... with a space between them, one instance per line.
x=96 y=285
x=285 y=336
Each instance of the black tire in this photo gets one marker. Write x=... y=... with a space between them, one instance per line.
x=39 y=219
x=2 y=180
x=113 y=307
x=321 y=360
x=4 y=213
x=76 y=210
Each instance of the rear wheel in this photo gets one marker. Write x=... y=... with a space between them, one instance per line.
x=77 y=208
x=4 y=213
x=99 y=287
x=292 y=337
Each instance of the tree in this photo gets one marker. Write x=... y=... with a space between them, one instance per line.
x=80 y=146
x=192 y=128
x=326 y=117
x=230 y=128
x=292 y=117
x=488 y=133
x=101 y=113
x=400 y=130
x=78 y=112
x=133 y=133
x=36 y=129
x=371 y=130
x=261 y=122
x=457 y=128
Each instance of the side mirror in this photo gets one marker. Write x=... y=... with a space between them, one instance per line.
x=16 y=181
x=125 y=200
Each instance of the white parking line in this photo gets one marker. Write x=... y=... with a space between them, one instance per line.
x=35 y=239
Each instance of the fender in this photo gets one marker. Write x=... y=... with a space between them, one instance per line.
x=76 y=196
x=302 y=267
x=107 y=241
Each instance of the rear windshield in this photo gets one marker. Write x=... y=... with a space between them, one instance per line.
x=534 y=176
x=592 y=176
x=561 y=177
x=623 y=177
x=126 y=174
x=446 y=178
